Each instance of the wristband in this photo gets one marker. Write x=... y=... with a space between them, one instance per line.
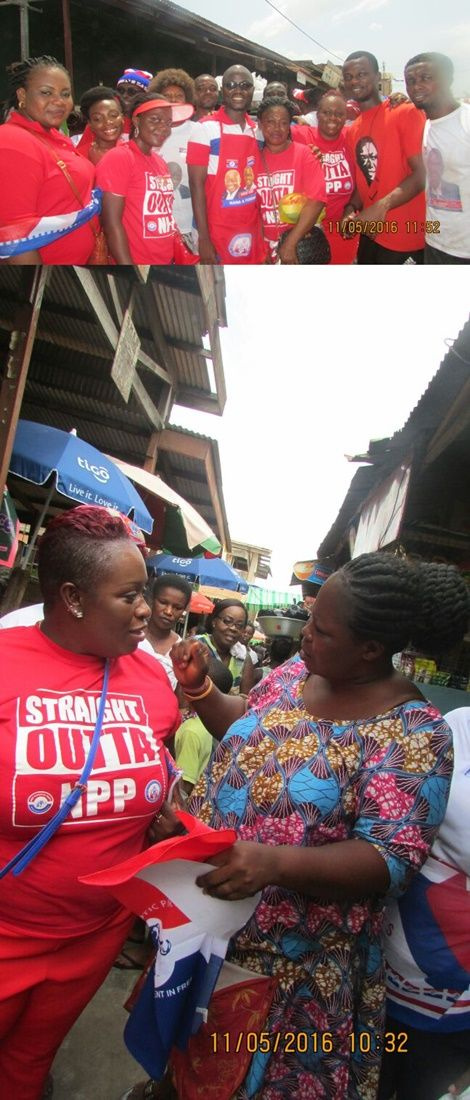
x=207 y=688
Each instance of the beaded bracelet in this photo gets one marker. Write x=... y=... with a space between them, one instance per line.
x=202 y=694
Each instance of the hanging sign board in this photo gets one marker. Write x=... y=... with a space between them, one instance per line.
x=125 y=357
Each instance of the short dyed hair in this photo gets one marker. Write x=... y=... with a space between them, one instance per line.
x=75 y=548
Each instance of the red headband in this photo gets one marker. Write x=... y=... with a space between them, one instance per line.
x=179 y=111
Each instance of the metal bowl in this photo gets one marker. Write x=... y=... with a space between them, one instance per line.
x=280 y=626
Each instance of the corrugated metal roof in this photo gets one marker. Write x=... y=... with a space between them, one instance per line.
x=69 y=383
x=211 y=34
x=423 y=422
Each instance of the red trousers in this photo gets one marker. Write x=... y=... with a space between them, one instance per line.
x=44 y=986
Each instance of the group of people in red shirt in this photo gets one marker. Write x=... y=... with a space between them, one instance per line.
x=362 y=181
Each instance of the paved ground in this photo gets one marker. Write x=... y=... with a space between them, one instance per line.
x=93 y=1062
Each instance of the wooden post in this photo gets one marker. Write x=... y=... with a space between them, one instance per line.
x=33 y=283
x=68 y=54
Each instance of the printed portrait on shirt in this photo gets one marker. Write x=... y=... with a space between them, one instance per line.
x=367 y=157
x=442 y=193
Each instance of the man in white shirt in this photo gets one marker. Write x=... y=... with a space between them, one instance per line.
x=446 y=153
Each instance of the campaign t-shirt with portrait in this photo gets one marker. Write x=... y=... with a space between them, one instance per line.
x=147 y=187
x=174 y=152
x=295 y=170
x=446 y=151
x=426 y=938
x=340 y=182
x=48 y=710
x=231 y=156
x=381 y=140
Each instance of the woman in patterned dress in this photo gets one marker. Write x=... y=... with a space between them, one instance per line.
x=335 y=774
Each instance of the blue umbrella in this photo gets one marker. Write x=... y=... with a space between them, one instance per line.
x=210 y=571
x=81 y=472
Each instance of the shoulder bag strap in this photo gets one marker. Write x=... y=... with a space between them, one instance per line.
x=63 y=167
x=33 y=846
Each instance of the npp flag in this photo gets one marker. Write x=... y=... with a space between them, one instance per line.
x=31 y=232
x=190 y=932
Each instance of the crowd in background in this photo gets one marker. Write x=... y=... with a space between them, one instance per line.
x=333 y=768
x=168 y=168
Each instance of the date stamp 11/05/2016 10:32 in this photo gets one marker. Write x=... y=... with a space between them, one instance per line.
x=307 y=1042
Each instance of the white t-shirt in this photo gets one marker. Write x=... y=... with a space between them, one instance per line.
x=163 y=658
x=426 y=931
x=173 y=152
x=446 y=152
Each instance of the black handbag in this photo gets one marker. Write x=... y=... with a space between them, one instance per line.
x=313 y=248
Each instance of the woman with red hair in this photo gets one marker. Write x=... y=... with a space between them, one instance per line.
x=84 y=715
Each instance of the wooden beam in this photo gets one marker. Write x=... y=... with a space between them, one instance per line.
x=145 y=400
x=98 y=305
x=181 y=444
x=152 y=310
x=150 y=463
x=185 y=345
x=64 y=342
x=33 y=284
x=196 y=399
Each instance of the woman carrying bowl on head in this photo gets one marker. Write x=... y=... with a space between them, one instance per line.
x=289 y=169
x=138 y=189
x=328 y=141
x=43 y=176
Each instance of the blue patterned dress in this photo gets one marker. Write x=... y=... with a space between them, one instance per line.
x=280 y=776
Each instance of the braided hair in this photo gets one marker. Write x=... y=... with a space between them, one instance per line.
x=398 y=602
x=19 y=71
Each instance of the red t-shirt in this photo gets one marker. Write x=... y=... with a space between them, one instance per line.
x=339 y=173
x=33 y=184
x=293 y=170
x=48 y=707
x=231 y=156
x=147 y=187
x=381 y=141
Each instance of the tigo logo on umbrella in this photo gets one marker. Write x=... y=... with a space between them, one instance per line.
x=100 y=472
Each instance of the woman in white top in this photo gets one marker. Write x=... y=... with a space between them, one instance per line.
x=169 y=600
x=178 y=87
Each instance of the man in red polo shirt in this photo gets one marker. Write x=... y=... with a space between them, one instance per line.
x=226 y=210
x=388 y=207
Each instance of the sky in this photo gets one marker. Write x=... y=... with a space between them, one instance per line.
x=393 y=30
x=315 y=368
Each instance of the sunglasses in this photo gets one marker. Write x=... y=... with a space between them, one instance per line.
x=245 y=85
